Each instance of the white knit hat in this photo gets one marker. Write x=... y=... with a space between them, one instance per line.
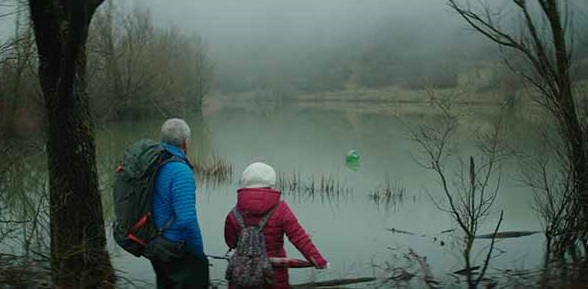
x=258 y=175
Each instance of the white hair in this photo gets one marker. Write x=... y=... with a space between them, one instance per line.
x=175 y=131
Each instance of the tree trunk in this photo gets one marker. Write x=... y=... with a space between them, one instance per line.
x=78 y=255
x=569 y=120
x=550 y=57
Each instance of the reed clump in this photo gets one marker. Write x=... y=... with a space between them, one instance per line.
x=388 y=195
x=214 y=169
x=322 y=185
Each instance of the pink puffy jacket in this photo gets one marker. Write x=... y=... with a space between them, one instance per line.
x=253 y=203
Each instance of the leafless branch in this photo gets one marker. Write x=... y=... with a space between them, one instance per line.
x=546 y=42
x=490 y=250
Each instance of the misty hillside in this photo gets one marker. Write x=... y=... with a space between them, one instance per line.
x=309 y=46
x=148 y=58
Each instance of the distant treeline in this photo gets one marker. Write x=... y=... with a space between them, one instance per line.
x=138 y=70
x=135 y=70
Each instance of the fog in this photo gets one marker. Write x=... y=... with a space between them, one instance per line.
x=298 y=84
x=289 y=24
x=312 y=45
x=253 y=40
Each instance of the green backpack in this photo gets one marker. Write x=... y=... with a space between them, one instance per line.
x=133 y=227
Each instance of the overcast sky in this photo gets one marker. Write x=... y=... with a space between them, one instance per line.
x=248 y=33
x=234 y=28
x=226 y=25
x=246 y=23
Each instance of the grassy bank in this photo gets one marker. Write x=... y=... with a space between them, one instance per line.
x=392 y=100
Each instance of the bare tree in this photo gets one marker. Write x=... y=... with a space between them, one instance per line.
x=145 y=70
x=550 y=183
x=469 y=194
x=141 y=71
x=78 y=243
x=188 y=67
x=104 y=68
x=544 y=42
x=201 y=73
x=123 y=78
x=18 y=106
x=9 y=8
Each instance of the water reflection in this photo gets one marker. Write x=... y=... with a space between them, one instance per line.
x=389 y=195
x=24 y=215
x=325 y=189
x=24 y=200
x=213 y=170
x=346 y=212
x=305 y=143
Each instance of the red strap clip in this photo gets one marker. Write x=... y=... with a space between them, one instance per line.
x=136 y=227
x=141 y=222
x=136 y=239
x=118 y=167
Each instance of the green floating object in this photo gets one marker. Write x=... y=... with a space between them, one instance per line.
x=352 y=160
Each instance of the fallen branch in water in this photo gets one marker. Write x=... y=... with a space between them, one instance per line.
x=466 y=271
x=331 y=283
x=507 y=234
x=394 y=230
x=427 y=277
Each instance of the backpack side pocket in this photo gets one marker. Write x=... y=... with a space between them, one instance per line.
x=164 y=250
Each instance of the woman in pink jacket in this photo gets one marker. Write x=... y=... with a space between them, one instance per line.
x=255 y=198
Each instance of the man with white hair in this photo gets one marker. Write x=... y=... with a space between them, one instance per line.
x=174 y=208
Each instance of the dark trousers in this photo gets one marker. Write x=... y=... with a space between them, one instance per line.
x=187 y=273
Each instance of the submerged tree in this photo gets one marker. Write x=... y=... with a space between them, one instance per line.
x=545 y=57
x=469 y=195
x=78 y=255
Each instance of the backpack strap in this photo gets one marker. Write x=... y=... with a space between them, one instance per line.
x=263 y=221
x=238 y=217
x=170 y=159
x=167 y=224
x=165 y=158
x=267 y=216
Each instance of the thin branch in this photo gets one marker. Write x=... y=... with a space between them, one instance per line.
x=489 y=255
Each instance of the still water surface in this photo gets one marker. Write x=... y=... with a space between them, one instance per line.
x=350 y=228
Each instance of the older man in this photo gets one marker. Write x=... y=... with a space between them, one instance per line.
x=174 y=207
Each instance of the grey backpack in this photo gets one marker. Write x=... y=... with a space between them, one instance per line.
x=249 y=266
x=133 y=228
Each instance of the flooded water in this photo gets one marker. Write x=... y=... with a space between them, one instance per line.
x=350 y=228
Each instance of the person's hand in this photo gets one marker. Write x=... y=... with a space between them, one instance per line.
x=325 y=267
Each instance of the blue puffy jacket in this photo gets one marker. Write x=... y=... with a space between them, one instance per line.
x=175 y=193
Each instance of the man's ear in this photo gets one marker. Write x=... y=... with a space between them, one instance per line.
x=185 y=146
